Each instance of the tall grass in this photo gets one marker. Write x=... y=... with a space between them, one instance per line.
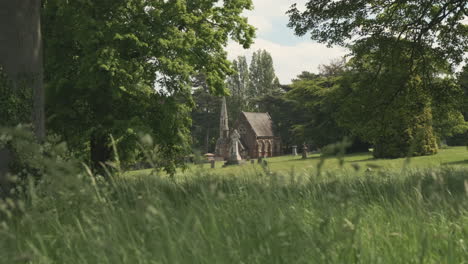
x=417 y=216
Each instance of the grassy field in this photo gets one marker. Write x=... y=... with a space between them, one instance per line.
x=284 y=213
x=453 y=156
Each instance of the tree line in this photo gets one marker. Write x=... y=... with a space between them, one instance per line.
x=398 y=91
x=89 y=69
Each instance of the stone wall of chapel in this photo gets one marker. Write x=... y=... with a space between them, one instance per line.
x=256 y=147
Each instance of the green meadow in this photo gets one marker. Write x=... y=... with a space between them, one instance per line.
x=289 y=211
x=349 y=164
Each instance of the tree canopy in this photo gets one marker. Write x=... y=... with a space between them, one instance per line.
x=437 y=24
x=124 y=67
x=392 y=94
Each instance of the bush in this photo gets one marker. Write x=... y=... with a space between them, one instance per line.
x=32 y=161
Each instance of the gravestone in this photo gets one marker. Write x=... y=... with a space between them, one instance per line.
x=304 y=151
x=294 y=150
x=213 y=163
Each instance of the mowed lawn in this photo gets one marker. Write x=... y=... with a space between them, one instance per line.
x=355 y=163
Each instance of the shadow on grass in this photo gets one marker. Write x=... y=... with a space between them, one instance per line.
x=460 y=162
x=301 y=159
x=347 y=156
x=362 y=160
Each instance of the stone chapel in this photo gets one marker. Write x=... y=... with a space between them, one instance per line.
x=257 y=135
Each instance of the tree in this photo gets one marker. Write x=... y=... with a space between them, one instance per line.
x=124 y=67
x=421 y=22
x=238 y=85
x=263 y=80
x=399 y=47
x=388 y=99
x=460 y=135
x=21 y=76
x=314 y=106
x=205 y=117
x=22 y=96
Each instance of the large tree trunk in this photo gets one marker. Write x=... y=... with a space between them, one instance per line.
x=21 y=59
x=21 y=52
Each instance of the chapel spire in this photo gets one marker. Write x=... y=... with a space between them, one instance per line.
x=223 y=121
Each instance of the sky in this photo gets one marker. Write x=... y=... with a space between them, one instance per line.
x=291 y=54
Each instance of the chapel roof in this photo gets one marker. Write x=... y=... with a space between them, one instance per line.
x=261 y=123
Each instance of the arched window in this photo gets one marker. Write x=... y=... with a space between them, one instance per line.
x=260 y=147
x=267 y=148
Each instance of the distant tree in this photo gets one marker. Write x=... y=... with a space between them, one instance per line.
x=315 y=106
x=462 y=80
x=334 y=68
x=388 y=100
x=313 y=111
x=124 y=67
x=205 y=116
x=263 y=80
x=238 y=85
x=460 y=137
x=306 y=112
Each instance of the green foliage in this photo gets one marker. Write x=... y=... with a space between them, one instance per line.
x=313 y=108
x=205 y=117
x=124 y=67
x=423 y=22
x=239 y=85
x=389 y=97
x=33 y=161
x=448 y=107
x=15 y=102
x=306 y=112
x=263 y=80
x=398 y=50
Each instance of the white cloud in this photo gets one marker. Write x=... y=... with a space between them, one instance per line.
x=262 y=24
x=292 y=55
x=275 y=8
x=290 y=61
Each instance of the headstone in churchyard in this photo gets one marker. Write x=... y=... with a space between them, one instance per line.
x=294 y=150
x=252 y=161
x=213 y=162
x=304 y=151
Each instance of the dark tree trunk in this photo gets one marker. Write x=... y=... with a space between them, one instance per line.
x=21 y=59
x=100 y=151
x=21 y=53
x=358 y=146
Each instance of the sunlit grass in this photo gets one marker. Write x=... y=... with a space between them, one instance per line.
x=286 y=212
x=452 y=156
